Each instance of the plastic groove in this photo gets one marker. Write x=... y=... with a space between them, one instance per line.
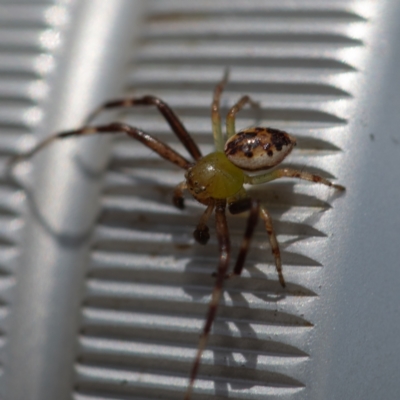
x=273 y=350
x=123 y=209
x=274 y=8
x=142 y=267
x=22 y=39
x=150 y=384
x=257 y=88
x=230 y=51
x=324 y=41
x=251 y=377
x=291 y=63
x=23 y=66
x=98 y=318
x=193 y=290
x=107 y=349
x=103 y=396
x=181 y=240
x=22 y=90
x=288 y=114
x=24 y=15
x=284 y=16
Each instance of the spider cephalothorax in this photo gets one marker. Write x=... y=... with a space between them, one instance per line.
x=215 y=180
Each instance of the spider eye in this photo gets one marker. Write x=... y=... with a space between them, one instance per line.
x=259 y=148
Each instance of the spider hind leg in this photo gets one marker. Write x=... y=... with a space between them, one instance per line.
x=274 y=243
x=253 y=206
x=221 y=275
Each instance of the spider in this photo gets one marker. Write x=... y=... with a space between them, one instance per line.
x=216 y=180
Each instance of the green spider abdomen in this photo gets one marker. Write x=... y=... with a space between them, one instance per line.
x=214 y=177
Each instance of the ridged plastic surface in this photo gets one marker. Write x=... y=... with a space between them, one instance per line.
x=24 y=67
x=52 y=79
x=149 y=283
x=323 y=71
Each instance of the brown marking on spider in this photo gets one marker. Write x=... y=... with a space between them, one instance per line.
x=215 y=180
x=259 y=148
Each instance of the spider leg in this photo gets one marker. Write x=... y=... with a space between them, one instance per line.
x=274 y=243
x=41 y=145
x=216 y=115
x=201 y=233
x=172 y=119
x=224 y=247
x=290 y=173
x=236 y=208
x=154 y=144
x=230 y=118
x=177 y=198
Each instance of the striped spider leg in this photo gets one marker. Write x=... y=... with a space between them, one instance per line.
x=216 y=180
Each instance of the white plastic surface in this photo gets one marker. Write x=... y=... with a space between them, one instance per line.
x=325 y=71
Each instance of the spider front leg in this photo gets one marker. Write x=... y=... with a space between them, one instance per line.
x=154 y=144
x=230 y=119
x=173 y=121
x=219 y=141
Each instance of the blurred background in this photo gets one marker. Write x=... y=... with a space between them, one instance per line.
x=103 y=291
